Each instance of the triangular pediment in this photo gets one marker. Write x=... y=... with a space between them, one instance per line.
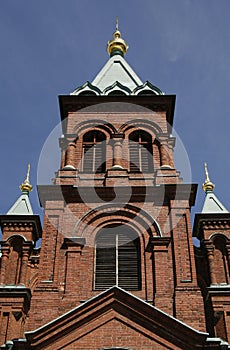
x=119 y=311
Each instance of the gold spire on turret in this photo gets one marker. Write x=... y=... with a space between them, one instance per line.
x=26 y=185
x=117 y=44
x=208 y=186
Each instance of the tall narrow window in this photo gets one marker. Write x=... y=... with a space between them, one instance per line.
x=94 y=152
x=140 y=151
x=117 y=258
x=221 y=260
x=15 y=261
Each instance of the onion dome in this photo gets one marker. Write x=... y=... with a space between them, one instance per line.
x=26 y=185
x=207 y=186
x=117 y=46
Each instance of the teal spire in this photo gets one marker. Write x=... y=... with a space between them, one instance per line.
x=211 y=202
x=22 y=206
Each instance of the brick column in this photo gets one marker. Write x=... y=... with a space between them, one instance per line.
x=210 y=254
x=171 y=145
x=166 y=148
x=117 y=150
x=163 y=274
x=5 y=256
x=25 y=258
x=70 y=157
x=74 y=249
x=63 y=145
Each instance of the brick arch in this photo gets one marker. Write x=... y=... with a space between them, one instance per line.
x=137 y=219
x=13 y=237
x=99 y=124
x=146 y=125
x=213 y=236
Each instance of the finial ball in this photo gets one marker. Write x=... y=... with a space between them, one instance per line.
x=117 y=45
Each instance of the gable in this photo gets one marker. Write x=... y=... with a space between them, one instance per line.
x=112 y=331
x=115 y=318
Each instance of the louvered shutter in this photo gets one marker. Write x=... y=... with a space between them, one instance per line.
x=94 y=152
x=88 y=157
x=140 y=151
x=117 y=260
x=99 y=161
x=146 y=160
x=128 y=263
x=105 y=275
x=134 y=157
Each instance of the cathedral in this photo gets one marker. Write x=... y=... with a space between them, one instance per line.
x=117 y=268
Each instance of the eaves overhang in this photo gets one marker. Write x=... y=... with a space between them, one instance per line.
x=23 y=219
x=155 y=103
x=14 y=292
x=160 y=194
x=203 y=218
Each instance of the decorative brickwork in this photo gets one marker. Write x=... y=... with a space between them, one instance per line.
x=116 y=268
x=213 y=262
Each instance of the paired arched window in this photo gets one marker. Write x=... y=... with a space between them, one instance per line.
x=94 y=152
x=140 y=151
x=117 y=258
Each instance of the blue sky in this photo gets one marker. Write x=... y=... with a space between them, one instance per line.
x=49 y=47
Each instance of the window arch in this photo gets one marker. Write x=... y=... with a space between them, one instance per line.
x=117 y=258
x=87 y=93
x=94 y=152
x=117 y=93
x=140 y=151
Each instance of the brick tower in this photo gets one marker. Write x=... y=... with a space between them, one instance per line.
x=212 y=228
x=19 y=263
x=116 y=269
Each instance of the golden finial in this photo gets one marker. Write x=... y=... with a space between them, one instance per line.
x=116 y=23
x=208 y=186
x=117 y=45
x=26 y=186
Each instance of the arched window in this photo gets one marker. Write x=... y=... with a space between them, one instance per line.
x=94 y=152
x=220 y=260
x=140 y=151
x=15 y=261
x=117 y=258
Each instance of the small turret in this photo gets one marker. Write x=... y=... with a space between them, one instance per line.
x=211 y=203
x=20 y=231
